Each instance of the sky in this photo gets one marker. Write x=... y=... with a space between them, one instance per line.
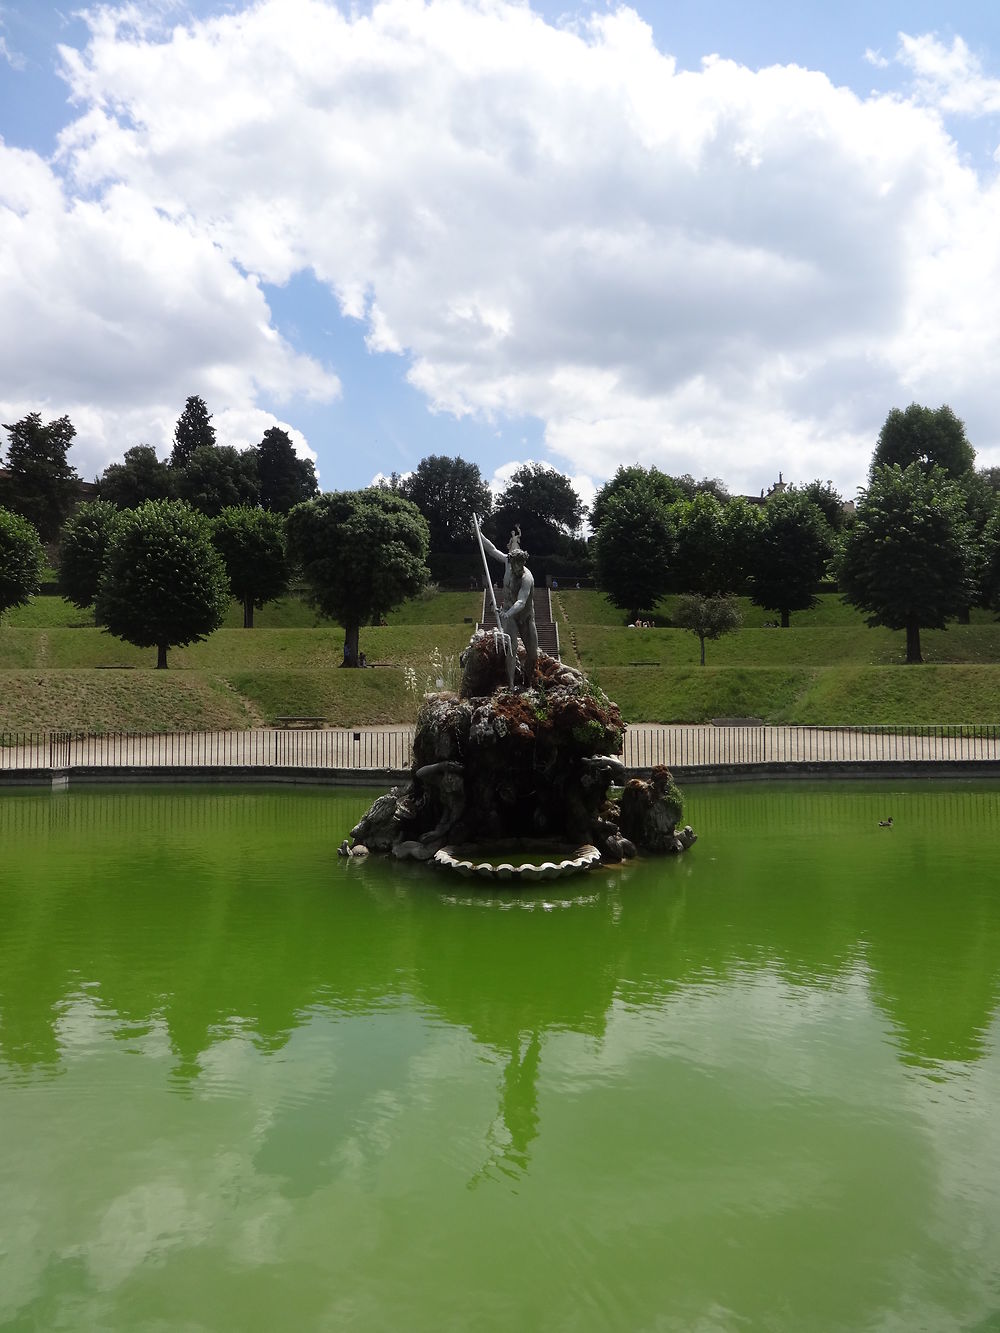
x=718 y=237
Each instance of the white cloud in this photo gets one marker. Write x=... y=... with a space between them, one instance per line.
x=721 y=271
x=951 y=78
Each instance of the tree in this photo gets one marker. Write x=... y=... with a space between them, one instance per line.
x=252 y=545
x=790 y=555
x=545 y=505
x=652 y=480
x=83 y=550
x=741 y=522
x=164 y=583
x=701 y=564
x=633 y=548
x=41 y=486
x=908 y=559
x=689 y=488
x=707 y=617
x=21 y=560
x=932 y=437
x=828 y=500
x=285 y=480
x=140 y=476
x=447 y=491
x=217 y=478
x=361 y=553
x=194 y=430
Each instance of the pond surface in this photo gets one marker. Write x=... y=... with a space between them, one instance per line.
x=245 y=1085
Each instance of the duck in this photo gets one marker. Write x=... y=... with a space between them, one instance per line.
x=885 y=823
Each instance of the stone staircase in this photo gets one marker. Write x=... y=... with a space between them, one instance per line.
x=548 y=630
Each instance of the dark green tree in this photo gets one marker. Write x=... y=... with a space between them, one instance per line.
x=194 y=430
x=284 y=479
x=140 y=476
x=544 y=504
x=706 y=617
x=909 y=559
x=41 y=485
x=218 y=478
x=741 y=522
x=252 y=545
x=657 y=483
x=361 y=553
x=689 y=488
x=21 y=560
x=790 y=555
x=83 y=550
x=164 y=583
x=828 y=500
x=448 y=491
x=701 y=564
x=633 y=549
x=930 y=436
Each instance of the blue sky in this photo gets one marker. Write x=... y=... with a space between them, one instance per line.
x=720 y=238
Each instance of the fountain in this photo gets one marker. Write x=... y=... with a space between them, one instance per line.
x=512 y=777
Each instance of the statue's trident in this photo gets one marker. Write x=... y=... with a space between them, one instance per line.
x=507 y=648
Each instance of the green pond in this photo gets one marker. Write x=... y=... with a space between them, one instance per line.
x=245 y=1085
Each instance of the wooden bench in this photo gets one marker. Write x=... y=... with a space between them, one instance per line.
x=286 y=723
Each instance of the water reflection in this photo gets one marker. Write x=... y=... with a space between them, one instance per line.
x=657 y=1093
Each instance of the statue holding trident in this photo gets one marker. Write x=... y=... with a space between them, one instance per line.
x=518 y=614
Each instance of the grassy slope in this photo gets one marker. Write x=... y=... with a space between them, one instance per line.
x=833 y=670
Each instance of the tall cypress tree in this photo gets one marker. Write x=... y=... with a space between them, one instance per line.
x=193 y=431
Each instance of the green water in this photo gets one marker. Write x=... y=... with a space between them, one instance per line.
x=246 y=1085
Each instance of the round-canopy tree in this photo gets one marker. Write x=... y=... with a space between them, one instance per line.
x=139 y=476
x=706 y=617
x=634 y=476
x=164 y=583
x=361 y=553
x=83 y=550
x=633 y=548
x=447 y=491
x=930 y=436
x=21 y=560
x=543 y=503
x=911 y=557
x=252 y=545
x=790 y=555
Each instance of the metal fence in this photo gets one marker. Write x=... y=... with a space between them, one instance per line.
x=342 y=750
x=391 y=748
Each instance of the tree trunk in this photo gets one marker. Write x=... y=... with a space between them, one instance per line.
x=702 y=638
x=248 y=613
x=161 y=656
x=913 y=641
x=784 y=617
x=351 y=635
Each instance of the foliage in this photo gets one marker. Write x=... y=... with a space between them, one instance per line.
x=21 y=559
x=361 y=553
x=635 y=477
x=700 y=562
x=707 y=617
x=83 y=550
x=930 y=437
x=545 y=505
x=284 y=479
x=41 y=485
x=828 y=500
x=689 y=488
x=252 y=545
x=217 y=478
x=741 y=522
x=140 y=476
x=909 y=558
x=633 y=548
x=164 y=582
x=194 y=430
x=990 y=577
x=790 y=554
x=448 y=491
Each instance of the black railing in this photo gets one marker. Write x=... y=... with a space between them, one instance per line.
x=390 y=749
